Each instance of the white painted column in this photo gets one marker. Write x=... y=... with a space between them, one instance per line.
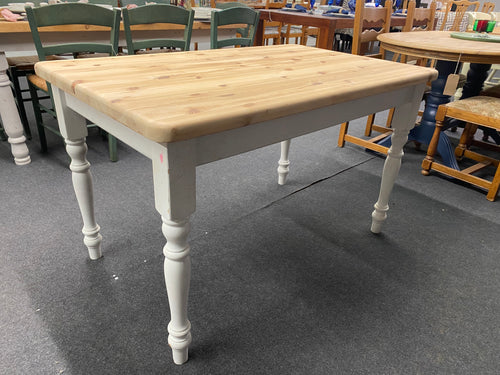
x=10 y=117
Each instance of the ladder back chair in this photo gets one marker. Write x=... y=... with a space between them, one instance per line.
x=157 y=14
x=272 y=29
x=488 y=7
x=368 y=24
x=457 y=9
x=475 y=111
x=234 y=16
x=297 y=32
x=68 y=14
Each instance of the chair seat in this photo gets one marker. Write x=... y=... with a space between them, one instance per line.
x=481 y=107
x=23 y=62
x=38 y=82
x=478 y=111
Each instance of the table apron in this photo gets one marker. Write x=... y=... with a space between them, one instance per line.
x=236 y=141
x=441 y=55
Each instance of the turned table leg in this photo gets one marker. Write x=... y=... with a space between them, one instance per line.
x=73 y=128
x=10 y=117
x=284 y=163
x=175 y=199
x=403 y=121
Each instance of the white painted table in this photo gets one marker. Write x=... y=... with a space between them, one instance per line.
x=186 y=109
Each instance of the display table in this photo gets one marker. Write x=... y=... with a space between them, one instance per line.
x=186 y=109
x=449 y=52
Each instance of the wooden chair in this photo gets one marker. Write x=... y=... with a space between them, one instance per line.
x=68 y=14
x=157 y=14
x=364 y=42
x=240 y=31
x=272 y=29
x=232 y=16
x=488 y=7
x=297 y=32
x=475 y=111
x=460 y=7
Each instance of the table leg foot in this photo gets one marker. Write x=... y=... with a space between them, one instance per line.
x=177 y=269
x=82 y=183
x=284 y=163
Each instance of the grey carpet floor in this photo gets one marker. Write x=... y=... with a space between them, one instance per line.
x=285 y=279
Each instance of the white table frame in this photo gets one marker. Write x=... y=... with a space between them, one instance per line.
x=174 y=174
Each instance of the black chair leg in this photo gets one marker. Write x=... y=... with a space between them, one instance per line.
x=38 y=117
x=15 y=74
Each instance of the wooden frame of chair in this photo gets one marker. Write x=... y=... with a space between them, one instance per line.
x=298 y=32
x=268 y=24
x=488 y=7
x=462 y=6
x=157 y=14
x=474 y=111
x=234 y=16
x=68 y=14
x=365 y=20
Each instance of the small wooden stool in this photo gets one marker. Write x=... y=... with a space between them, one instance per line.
x=478 y=110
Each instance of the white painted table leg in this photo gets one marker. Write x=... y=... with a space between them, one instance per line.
x=174 y=179
x=73 y=128
x=177 y=268
x=403 y=121
x=284 y=163
x=10 y=117
x=82 y=183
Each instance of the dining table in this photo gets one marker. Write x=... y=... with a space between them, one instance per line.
x=450 y=52
x=182 y=110
x=327 y=24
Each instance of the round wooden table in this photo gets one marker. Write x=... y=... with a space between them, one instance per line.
x=449 y=52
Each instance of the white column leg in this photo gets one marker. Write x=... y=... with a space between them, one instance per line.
x=177 y=268
x=175 y=199
x=73 y=128
x=403 y=120
x=284 y=163
x=10 y=118
x=82 y=183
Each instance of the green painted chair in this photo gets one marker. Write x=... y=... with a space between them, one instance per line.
x=68 y=14
x=124 y=3
x=240 y=31
x=234 y=16
x=158 y=14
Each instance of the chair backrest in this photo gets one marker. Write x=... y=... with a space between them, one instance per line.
x=124 y=3
x=460 y=7
x=74 y=14
x=488 y=7
x=368 y=24
x=228 y=4
x=419 y=19
x=113 y=3
x=234 y=16
x=275 y=4
x=158 y=14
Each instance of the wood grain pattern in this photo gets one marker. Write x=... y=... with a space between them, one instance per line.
x=179 y=96
x=440 y=45
x=23 y=27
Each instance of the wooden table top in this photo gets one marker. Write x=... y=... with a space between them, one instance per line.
x=24 y=27
x=178 y=96
x=440 y=45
